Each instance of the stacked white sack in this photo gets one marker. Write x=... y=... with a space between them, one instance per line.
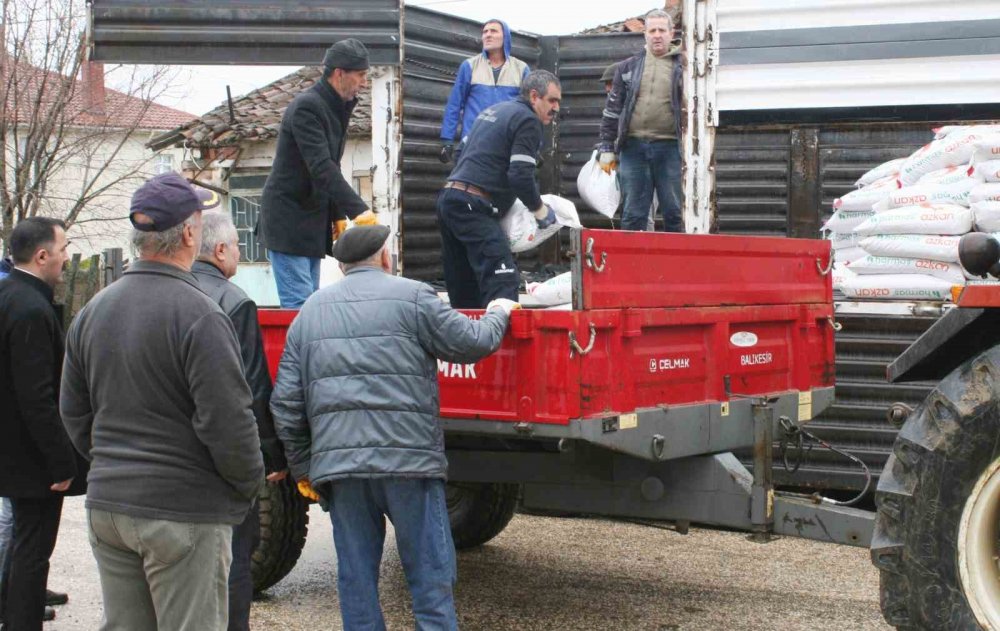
x=955 y=149
x=985 y=198
x=855 y=208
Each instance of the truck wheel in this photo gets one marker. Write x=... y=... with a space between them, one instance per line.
x=936 y=534
x=284 y=521
x=479 y=512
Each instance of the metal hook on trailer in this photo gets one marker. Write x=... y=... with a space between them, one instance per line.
x=823 y=271
x=574 y=346
x=589 y=257
x=837 y=326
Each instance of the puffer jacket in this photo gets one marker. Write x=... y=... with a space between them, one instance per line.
x=356 y=394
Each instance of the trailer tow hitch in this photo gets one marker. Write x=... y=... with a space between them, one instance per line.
x=793 y=441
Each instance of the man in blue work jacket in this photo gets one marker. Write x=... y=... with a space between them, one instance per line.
x=496 y=167
x=491 y=77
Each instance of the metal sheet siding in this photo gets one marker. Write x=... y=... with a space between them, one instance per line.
x=582 y=60
x=240 y=31
x=827 y=54
x=759 y=15
x=857 y=420
x=751 y=181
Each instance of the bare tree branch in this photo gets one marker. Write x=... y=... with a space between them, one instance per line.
x=70 y=149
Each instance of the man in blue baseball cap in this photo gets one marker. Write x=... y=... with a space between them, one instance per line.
x=153 y=394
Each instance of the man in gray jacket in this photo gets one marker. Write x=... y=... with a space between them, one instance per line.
x=356 y=406
x=153 y=394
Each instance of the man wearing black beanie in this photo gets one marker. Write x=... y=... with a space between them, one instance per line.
x=306 y=197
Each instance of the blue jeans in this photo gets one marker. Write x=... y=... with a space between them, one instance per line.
x=246 y=536
x=6 y=537
x=645 y=167
x=297 y=277
x=418 y=512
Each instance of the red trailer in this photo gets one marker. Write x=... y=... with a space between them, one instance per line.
x=678 y=350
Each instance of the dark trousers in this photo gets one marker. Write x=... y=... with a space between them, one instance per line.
x=246 y=536
x=36 y=524
x=478 y=263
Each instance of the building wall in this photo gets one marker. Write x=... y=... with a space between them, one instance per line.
x=104 y=221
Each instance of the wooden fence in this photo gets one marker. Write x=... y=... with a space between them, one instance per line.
x=85 y=277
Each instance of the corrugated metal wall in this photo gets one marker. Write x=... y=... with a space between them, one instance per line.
x=751 y=181
x=582 y=60
x=857 y=420
x=240 y=31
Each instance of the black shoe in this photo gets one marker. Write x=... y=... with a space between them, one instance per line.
x=49 y=615
x=55 y=598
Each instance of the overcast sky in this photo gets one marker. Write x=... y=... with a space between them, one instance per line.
x=202 y=88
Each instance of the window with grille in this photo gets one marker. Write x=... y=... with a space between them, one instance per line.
x=245 y=207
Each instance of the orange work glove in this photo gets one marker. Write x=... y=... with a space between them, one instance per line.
x=339 y=226
x=367 y=218
x=608 y=162
x=306 y=490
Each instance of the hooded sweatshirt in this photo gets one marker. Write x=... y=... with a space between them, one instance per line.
x=476 y=88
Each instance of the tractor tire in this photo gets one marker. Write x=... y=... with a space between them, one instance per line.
x=478 y=512
x=284 y=522
x=935 y=541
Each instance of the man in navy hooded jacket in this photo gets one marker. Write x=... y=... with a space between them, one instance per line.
x=491 y=77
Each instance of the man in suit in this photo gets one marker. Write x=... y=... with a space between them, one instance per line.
x=38 y=464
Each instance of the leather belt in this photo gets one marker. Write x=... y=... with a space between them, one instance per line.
x=468 y=188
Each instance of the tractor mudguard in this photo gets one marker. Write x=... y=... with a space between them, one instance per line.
x=958 y=336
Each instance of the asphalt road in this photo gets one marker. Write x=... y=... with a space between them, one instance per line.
x=561 y=574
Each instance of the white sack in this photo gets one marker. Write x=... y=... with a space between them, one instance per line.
x=597 y=188
x=985 y=192
x=951 y=272
x=953 y=150
x=926 y=219
x=886 y=169
x=841 y=240
x=917 y=246
x=844 y=221
x=987 y=216
x=522 y=230
x=896 y=287
x=847 y=255
x=987 y=148
x=929 y=193
x=840 y=273
x=557 y=290
x=988 y=170
x=865 y=198
x=949 y=175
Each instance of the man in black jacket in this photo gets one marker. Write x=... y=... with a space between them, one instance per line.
x=217 y=262
x=37 y=460
x=496 y=167
x=306 y=198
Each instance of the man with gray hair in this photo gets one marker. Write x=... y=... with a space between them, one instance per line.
x=356 y=406
x=496 y=167
x=217 y=262
x=153 y=394
x=642 y=124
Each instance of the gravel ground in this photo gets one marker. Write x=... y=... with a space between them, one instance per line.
x=574 y=573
